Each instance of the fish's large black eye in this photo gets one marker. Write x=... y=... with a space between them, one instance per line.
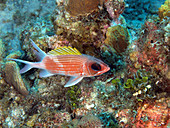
x=96 y=67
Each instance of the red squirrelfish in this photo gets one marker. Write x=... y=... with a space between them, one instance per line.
x=66 y=61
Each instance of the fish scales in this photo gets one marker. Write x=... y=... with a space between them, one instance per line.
x=68 y=65
x=65 y=61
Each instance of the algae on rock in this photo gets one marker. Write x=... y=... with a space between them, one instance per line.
x=13 y=77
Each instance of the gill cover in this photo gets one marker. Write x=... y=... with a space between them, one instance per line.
x=95 y=66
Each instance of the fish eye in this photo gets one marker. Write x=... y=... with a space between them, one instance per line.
x=96 y=66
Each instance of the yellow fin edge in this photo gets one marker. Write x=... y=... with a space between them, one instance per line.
x=65 y=51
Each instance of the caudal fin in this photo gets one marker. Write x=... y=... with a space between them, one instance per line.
x=27 y=67
x=38 y=52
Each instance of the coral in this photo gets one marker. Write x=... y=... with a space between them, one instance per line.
x=73 y=95
x=15 y=119
x=164 y=10
x=136 y=15
x=151 y=52
x=117 y=37
x=50 y=118
x=82 y=35
x=124 y=117
x=108 y=120
x=31 y=122
x=56 y=41
x=153 y=115
x=115 y=61
x=135 y=96
x=77 y=7
x=87 y=101
x=86 y=32
x=61 y=117
x=14 y=55
x=141 y=85
x=14 y=78
x=40 y=29
x=167 y=30
x=151 y=32
x=2 y=50
x=115 y=8
x=112 y=96
x=89 y=121
x=150 y=57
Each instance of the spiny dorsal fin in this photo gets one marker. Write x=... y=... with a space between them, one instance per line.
x=64 y=51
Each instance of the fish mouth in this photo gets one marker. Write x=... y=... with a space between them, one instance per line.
x=107 y=69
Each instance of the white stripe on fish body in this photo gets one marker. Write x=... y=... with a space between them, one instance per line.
x=67 y=73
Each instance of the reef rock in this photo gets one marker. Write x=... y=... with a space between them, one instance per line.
x=117 y=37
x=13 y=77
x=164 y=10
x=76 y=7
x=2 y=50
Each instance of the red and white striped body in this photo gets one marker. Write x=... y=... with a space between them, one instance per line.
x=65 y=61
x=69 y=65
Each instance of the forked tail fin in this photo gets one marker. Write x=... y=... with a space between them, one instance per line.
x=38 y=52
x=27 y=67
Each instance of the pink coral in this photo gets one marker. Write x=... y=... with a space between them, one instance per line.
x=151 y=50
x=57 y=41
x=149 y=115
x=153 y=115
x=123 y=117
x=151 y=57
x=89 y=121
x=115 y=8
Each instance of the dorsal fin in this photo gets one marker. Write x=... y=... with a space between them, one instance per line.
x=64 y=51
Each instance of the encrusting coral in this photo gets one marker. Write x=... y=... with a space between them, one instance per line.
x=164 y=10
x=148 y=115
x=14 y=78
x=117 y=37
x=78 y=7
x=2 y=50
x=115 y=8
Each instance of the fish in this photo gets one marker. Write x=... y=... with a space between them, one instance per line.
x=66 y=61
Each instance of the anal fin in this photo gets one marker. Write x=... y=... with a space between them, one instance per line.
x=73 y=81
x=45 y=73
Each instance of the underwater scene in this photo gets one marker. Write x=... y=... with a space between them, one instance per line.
x=84 y=63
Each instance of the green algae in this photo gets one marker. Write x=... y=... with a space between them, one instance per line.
x=73 y=94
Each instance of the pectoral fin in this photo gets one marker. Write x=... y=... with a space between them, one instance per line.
x=73 y=80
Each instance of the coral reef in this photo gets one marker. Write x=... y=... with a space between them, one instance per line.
x=115 y=61
x=2 y=50
x=115 y=8
x=73 y=95
x=153 y=114
x=141 y=85
x=16 y=15
x=164 y=10
x=136 y=12
x=150 y=114
x=86 y=34
x=14 y=78
x=117 y=37
x=78 y=7
x=90 y=121
x=108 y=119
x=134 y=93
x=151 y=52
x=124 y=117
